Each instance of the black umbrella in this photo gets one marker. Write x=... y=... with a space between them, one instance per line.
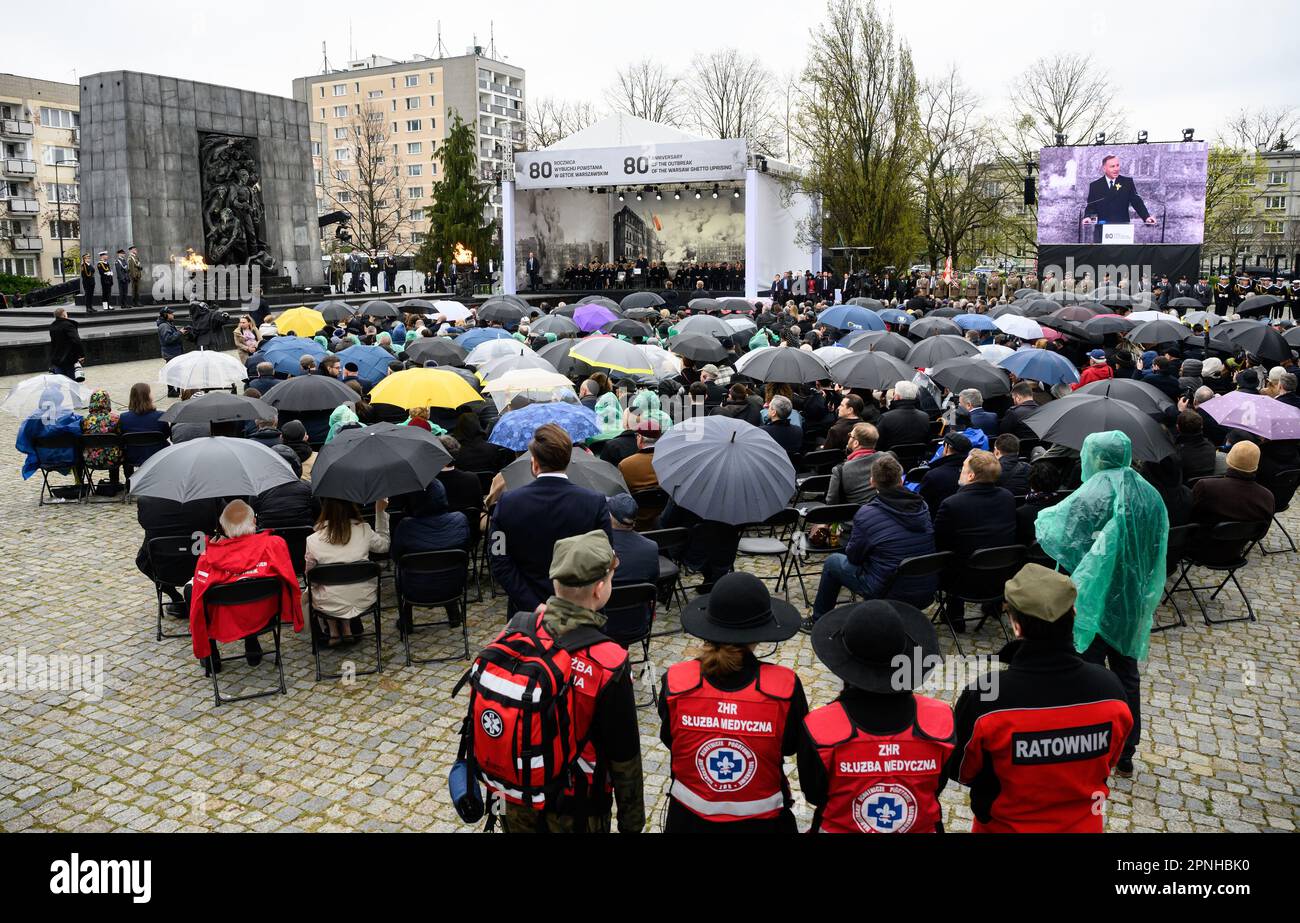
x=374 y=462
x=305 y=393
x=1260 y=340
x=971 y=372
x=874 y=304
x=644 y=314
x=933 y=326
x=641 y=300
x=211 y=467
x=1073 y=419
x=1186 y=303
x=379 y=309
x=500 y=312
x=1257 y=304
x=882 y=341
x=697 y=347
x=1292 y=336
x=737 y=305
x=600 y=300
x=334 y=311
x=442 y=350
x=1154 y=332
x=1146 y=398
x=1040 y=307
x=1016 y=308
x=557 y=354
x=1073 y=313
x=222 y=407
x=1022 y=292
x=627 y=328
x=557 y=324
x=878 y=371
x=705 y=306
x=782 y=365
x=417 y=306
x=565 y=310
x=933 y=350
x=585 y=470
x=945 y=312
x=1100 y=326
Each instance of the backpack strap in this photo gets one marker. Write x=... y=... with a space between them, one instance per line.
x=581 y=637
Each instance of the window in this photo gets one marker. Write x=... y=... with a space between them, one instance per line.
x=417 y=237
x=60 y=118
x=343 y=153
x=433 y=169
x=412 y=80
x=340 y=112
x=344 y=196
x=433 y=102
x=342 y=175
x=320 y=177
x=415 y=147
x=322 y=91
x=394 y=105
x=315 y=148
x=375 y=94
x=414 y=169
x=415 y=192
x=415 y=214
x=413 y=125
x=1244 y=230
x=412 y=102
x=1275 y=203
x=66 y=229
x=340 y=133
x=340 y=89
x=55 y=155
x=322 y=114
x=67 y=193
x=1273 y=227
x=1277 y=178
x=357 y=88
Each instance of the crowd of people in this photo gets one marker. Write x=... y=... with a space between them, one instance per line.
x=925 y=467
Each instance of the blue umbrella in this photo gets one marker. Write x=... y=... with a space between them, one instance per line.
x=851 y=317
x=372 y=361
x=974 y=322
x=1040 y=365
x=515 y=429
x=285 y=352
x=479 y=335
x=895 y=316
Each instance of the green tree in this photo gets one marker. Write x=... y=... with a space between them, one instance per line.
x=458 y=215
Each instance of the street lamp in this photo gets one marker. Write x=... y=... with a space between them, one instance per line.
x=58 y=204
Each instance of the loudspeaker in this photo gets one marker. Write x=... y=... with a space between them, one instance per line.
x=1031 y=192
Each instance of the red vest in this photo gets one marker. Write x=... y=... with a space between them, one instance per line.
x=727 y=760
x=882 y=783
x=593 y=669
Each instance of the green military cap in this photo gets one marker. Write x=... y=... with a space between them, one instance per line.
x=581 y=560
x=1040 y=593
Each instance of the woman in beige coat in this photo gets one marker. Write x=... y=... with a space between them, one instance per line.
x=343 y=537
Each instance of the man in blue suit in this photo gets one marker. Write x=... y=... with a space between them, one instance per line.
x=529 y=520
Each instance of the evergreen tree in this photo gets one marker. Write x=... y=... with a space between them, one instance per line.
x=460 y=203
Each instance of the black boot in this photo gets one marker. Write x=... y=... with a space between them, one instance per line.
x=212 y=662
x=252 y=650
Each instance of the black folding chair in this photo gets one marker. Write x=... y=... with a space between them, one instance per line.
x=1226 y=549
x=105 y=443
x=917 y=474
x=1284 y=488
x=242 y=593
x=359 y=573
x=911 y=454
x=821 y=461
x=811 y=490
x=1038 y=556
x=630 y=619
x=672 y=545
x=450 y=568
x=171 y=559
x=57 y=442
x=774 y=541
x=838 y=514
x=650 y=503
x=980 y=580
x=1175 y=551
x=153 y=441
x=922 y=565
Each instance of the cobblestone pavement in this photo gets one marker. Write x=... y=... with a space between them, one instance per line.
x=1221 y=720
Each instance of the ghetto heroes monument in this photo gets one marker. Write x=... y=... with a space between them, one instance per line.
x=169 y=164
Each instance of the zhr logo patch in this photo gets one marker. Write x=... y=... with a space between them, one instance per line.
x=491 y=723
x=725 y=765
x=885 y=808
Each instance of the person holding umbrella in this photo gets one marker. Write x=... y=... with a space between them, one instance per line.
x=873 y=760
x=728 y=719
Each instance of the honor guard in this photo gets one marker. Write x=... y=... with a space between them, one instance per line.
x=872 y=761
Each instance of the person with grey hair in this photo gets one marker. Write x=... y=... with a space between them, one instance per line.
x=1209 y=426
x=265 y=379
x=971 y=404
x=782 y=430
x=589 y=394
x=1287 y=384
x=904 y=423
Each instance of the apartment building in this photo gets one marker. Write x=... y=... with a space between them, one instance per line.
x=40 y=136
x=414 y=101
x=1271 y=238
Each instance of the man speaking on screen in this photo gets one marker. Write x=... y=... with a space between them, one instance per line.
x=1111 y=196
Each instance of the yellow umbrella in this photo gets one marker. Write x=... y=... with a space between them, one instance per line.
x=303 y=322
x=424 y=388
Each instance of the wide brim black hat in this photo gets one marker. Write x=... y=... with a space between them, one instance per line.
x=740 y=610
x=877 y=620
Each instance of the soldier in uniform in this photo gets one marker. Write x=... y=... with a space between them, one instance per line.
x=1222 y=295
x=105 y=270
x=373 y=265
x=134 y=272
x=1201 y=291
x=1085 y=285
x=336 y=273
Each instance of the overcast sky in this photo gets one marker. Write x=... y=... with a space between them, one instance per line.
x=1190 y=63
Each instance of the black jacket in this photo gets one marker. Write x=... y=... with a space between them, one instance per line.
x=1015 y=474
x=904 y=423
x=65 y=343
x=1013 y=421
x=787 y=436
x=620 y=447
x=1198 y=456
x=739 y=410
x=286 y=506
x=940 y=482
x=161 y=518
x=976 y=516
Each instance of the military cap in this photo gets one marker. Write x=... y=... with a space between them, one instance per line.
x=1040 y=593
x=581 y=560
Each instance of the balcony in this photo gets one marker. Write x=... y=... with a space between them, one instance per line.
x=16 y=128
x=22 y=206
x=14 y=167
x=26 y=244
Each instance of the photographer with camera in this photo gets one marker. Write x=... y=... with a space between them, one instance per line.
x=208 y=324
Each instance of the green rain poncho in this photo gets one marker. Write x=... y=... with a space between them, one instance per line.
x=647 y=404
x=1110 y=536
x=609 y=413
x=342 y=416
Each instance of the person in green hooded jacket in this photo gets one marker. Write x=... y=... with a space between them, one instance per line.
x=1110 y=536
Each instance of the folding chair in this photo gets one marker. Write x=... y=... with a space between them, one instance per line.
x=650 y=503
x=295 y=537
x=915 y=475
x=922 y=565
x=811 y=491
x=630 y=619
x=911 y=454
x=839 y=513
x=1225 y=549
x=171 y=559
x=672 y=545
x=100 y=442
x=821 y=461
x=980 y=580
x=52 y=443
x=1175 y=551
x=776 y=543
x=242 y=593
x=359 y=573
x=153 y=441
x=1284 y=488
x=451 y=569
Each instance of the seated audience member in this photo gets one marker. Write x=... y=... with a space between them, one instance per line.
x=1015 y=470
x=739 y=406
x=428 y=525
x=971 y=403
x=1023 y=407
x=464 y=492
x=1166 y=476
x=286 y=506
x=1196 y=454
x=1235 y=497
x=1098 y=370
x=241 y=554
x=343 y=537
x=980 y=514
x=638 y=562
x=265 y=379
x=904 y=423
x=779 y=426
x=625 y=444
x=165 y=519
x=142 y=417
x=850 y=414
x=476 y=453
x=638 y=468
x=265 y=432
x=941 y=481
x=1286 y=389
x=294 y=435
x=851 y=479
x=1044 y=482
x=893 y=526
x=711 y=547
x=100 y=419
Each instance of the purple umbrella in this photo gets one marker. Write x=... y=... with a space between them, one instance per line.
x=591 y=317
x=1254 y=413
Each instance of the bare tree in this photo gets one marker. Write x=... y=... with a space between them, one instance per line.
x=1262 y=129
x=548 y=120
x=644 y=89
x=1064 y=94
x=368 y=184
x=734 y=96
